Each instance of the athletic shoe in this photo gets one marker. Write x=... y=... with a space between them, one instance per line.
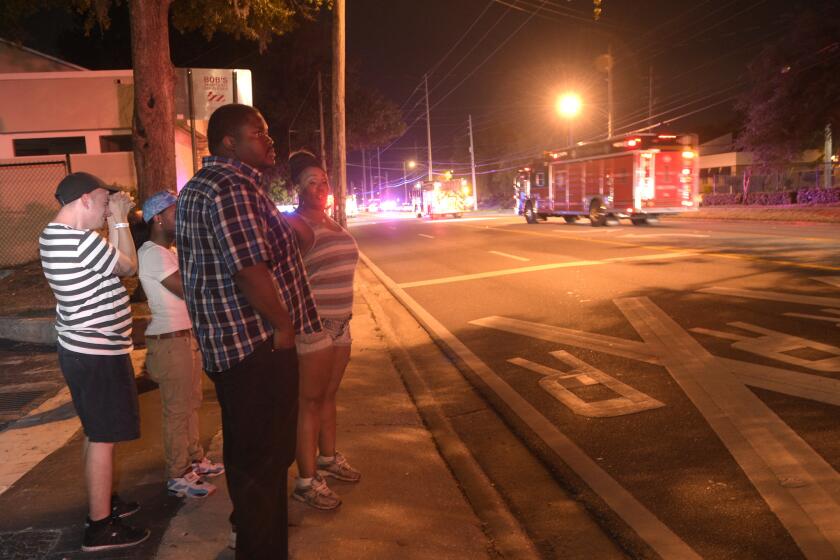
x=110 y=534
x=317 y=495
x=207 y=468
x=189 y=486
x=122 y=509
x=339 y=469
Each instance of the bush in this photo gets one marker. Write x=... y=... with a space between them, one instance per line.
x=771 y=198
x=721 y=199
x=818 y=196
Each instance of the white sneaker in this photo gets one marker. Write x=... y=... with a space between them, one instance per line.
x=207 y=468
x=339 y=469
x=317 y=495
x=189 y=486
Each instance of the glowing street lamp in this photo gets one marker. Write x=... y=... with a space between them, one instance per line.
x=568 y=106
x=410 y=164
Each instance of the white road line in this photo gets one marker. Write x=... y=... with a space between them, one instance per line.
x=830 y=280
x=790 y=476
x=814 y=317
x=21 y=448
x=649 y=235
x=426 y=236
x=773 y=296
x=538 y=268
x=807 y=386
x=655 y=533
x=514 y=257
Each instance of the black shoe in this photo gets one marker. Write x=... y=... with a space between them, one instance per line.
x=110 y=533
x=122 y=509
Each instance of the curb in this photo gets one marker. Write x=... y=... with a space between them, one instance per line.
x=41 y=330
x=509 y=538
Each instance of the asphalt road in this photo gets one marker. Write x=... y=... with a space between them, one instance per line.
x=682 y=379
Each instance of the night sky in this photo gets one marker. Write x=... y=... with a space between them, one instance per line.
x=503 y=65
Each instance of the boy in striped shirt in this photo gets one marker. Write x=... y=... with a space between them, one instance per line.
x=93 y=322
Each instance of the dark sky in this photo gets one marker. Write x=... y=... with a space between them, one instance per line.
x=503 y=65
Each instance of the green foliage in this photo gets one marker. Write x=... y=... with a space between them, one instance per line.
x=372 y=120
x=255 y=20
x=795 y=88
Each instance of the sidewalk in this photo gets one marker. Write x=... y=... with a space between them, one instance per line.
x=407 y=505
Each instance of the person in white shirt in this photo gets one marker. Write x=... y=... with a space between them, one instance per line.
x=173 y=359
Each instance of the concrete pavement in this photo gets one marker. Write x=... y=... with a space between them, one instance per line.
x=407 y=505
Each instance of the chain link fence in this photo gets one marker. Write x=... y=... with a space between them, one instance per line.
x=27 y=204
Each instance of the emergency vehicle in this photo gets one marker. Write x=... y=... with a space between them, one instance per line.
x=638 y=176
x=443 y=198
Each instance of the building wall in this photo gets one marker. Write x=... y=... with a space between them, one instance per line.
x=65 y=101
x=14 y=58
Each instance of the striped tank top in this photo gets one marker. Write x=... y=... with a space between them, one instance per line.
x=330 y=265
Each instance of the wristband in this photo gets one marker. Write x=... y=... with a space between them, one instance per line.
x=120 y=225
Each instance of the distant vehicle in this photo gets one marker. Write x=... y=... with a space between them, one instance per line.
x=639 y=176
x=388 y=205
x=406 y=207
x=373 y=205
x=443 y=198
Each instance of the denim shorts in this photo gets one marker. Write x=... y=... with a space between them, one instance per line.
x=336 y=333
x=104 y=394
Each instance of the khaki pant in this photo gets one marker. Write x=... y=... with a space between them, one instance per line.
x=175 y=364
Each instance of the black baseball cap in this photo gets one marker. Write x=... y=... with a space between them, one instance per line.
x=76 y=184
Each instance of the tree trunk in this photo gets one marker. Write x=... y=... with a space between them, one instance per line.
x=154 y=97
x=339 y=147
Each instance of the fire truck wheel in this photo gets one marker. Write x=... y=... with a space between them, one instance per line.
x=597 y=213
x=543 y=217
x=570 y=219
x=639 y=221
x=530 y=215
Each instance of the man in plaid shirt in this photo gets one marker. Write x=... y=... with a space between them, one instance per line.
x=249 y=300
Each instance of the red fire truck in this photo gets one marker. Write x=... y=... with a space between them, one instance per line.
x=639 y=176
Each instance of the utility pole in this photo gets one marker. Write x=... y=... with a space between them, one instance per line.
x=829 y=151
x=428 y=127
x=472 y=163
x=364 y=176
x=609 y=92
x=378 y=172
x=339 y=170
x=323 y=130
x=650 y=95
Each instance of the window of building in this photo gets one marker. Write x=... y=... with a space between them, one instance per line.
x=540 y=180
x=115 y=143
x=49 y=146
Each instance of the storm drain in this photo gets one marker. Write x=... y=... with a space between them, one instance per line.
x=13 y=402
x=25 y=545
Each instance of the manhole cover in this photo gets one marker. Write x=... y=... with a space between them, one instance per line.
x=13 y=402
x=25 y=545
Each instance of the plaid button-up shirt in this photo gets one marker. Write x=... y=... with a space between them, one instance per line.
x=224 y=223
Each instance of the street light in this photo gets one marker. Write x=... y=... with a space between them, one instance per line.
x=568 y=106
x=411 y=164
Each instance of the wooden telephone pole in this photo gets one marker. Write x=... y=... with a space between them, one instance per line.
x=339 y=134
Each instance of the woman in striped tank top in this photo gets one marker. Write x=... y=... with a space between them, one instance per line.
x=329 y=256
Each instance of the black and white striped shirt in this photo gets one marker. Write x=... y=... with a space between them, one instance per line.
x=93 y=315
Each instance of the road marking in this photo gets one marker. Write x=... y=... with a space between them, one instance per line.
x=523 y=259
x=649 y=235
x=814 y=317
x=23 y=446
x=649 y=528
x=769 y=452
x=426 y=236
x=830 y=280
x=779 y=346
x=703 y=253
x=807 y=386
x=773 y=296
x=536 y=268
x=558 y=384
x=788 y=473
